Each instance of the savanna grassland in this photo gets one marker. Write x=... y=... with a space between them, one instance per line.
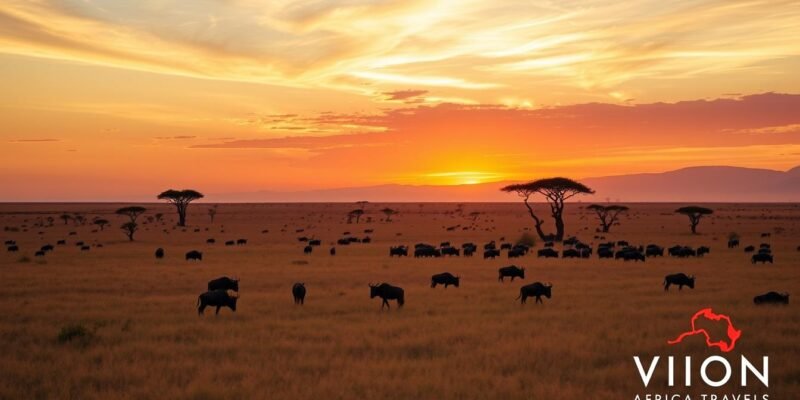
x=143 y=338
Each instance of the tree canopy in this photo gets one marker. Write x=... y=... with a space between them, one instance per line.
x=181 y=200
x=695 y=213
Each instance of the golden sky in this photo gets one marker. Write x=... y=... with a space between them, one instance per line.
x=132 y=97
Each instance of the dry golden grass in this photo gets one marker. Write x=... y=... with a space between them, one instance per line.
x=473 y=342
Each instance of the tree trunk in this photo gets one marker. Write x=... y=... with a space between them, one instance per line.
x=538 y=222
x=559 y=227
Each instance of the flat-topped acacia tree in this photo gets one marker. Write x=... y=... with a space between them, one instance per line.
x=695 y=214
x=608 y=215
x=181 y=200
x=132 y=212
x=556 y=191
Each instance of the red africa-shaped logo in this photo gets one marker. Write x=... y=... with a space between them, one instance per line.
x=733 y=333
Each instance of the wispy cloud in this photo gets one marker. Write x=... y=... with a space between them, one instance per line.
x=34 y=140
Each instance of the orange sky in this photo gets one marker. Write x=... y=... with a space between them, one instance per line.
x=129 y=97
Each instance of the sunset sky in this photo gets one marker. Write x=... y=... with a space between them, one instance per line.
x=104 y=99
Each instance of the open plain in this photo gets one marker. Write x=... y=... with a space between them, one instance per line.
x=142 y=336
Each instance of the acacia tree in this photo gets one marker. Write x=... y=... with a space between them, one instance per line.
x=212 y=212
x=132 y=212
x=66 y=218
x=608 y=215
x=695 y=214
x=100 y=222
x=355 y=214
x=389 y=212
x=556 y=191
x=181 y=200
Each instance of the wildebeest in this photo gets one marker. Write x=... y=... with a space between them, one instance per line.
x=570 y=253
x=511 y=271
x=762 y=258
x=749 y=249
x=450 y=251
x=445 y=279
x=547 y=253
x=194 y=255
x=85 y=248
x=491 y=253
x=47 y=247
x=217 y=298
x=633 y=255
x=679 y=279
x=211 y=241
x=230 y=242
x=61 y=242
x=299 y=293
x=315 y=242
x=516 y=252
x=39 y=254
x=366 y=239
x=159 y=253
x=772 y=298
x=13 y=248
x=506 y=246
x=427 y=251
x=224 y=283
x=605 y=252
x=399 y=251
x=308 y=249
x=702 y=250
x=387 y=292
x=241 y=242
x=10 y=242
x=536 y=289
x=654 y=251
x=733 y=243
x=302 y=239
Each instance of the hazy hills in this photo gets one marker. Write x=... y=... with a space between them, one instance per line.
x=698 y=184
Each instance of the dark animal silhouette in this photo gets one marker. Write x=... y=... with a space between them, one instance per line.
x=308 y=249
x=194 y=255
x=211 y=241
x=491 y=253
x=224 y=283
x=654 y=251
x=547 y=253
x=772 y=298
x=230 y=243
x=85 y=248
x=633 y=255
x=605 y=252
x=516 y=252
x=13 y=248
x=536 y=289
x=400 y=251
x=39 y=254
x=511 y=271
x=733 y=243
x=47 y=247
x=217 y=298
x=570 y=253
x=61 y=242
x=299 y=293
x=762 y=258
x=450 y=251
x=679 y=279
x=749 y=249
x=315 y=242
x=241 y=242
x=387 y=292
x=445 y=279
x=333 y=251
x=427 y=252
x=703 y=250
x=159 y=253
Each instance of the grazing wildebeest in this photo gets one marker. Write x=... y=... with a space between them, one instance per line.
x=427 y=251
x=491 y=253
x=299 y=293
x=654 y=251
x=511 y=271
x=536 y=289
x=570 y=253
x=387 y=292
x=549 y=244
x=733 y=243
x=10 y=242
x=679 y=279
x=772 y=298
x=61 y=242
x=47 y=247
x=343 y=242
x=39 y=254
x=605 y=252
x=79 y=244
x=547 y=253
x=194 y=255
x=516 y=252
x=302 y=239
x=224 y=283
x=217 y=298
x=85 y=248
x=765 y=234
x=333 y=251
x=366 y=239
x=399 y=251
x=633 y=255
x=445 y=279
x=159 y=253
x=230 y=242
x=749 y=249
x=702 y=250
x=622 y=243
x=469 y=251
x=13 y=248
x=241 y=242
x=211 y=241
x=450 y=251
x=506 y=246
x=762 y=258
x=315 y=242
x=308 y=249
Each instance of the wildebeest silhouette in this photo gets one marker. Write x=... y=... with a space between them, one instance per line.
x=605 y=252
x=450 y=251
x=61 y=242
x=194 y=255
x=749 y=249
x=39 y=254
x=633 y=255
x=491 y=253
x=85 y=248
x=511 y=271
x=299 y=293
x=315 y=242
x=536 y=289
x=653 y=250
x=10 y=242
x=217 y=298
x=333 y=251
x=570 y=253
x=703 y=250
x=547 y=253
x=679 y=279
x=427 y=251
x=211 y=241
x=159 y=253
x=399 y=251
x=772 y=298
x=445 y=278
x=47 y=247
x=762 y=258
x=241 y=242
x=224 y=283
x=387 y=292
x=733 y=243
x=230 y=242
x=13 y=248
x=308 y=249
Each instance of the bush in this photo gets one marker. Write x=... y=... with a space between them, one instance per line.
x=74 y=332
x=527 y=239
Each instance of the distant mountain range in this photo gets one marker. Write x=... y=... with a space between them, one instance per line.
x=697 y=184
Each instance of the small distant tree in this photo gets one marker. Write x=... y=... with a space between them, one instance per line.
x=695 y=214
x=475 y=215
x=79 y=219
x=212 y=212
x=159 y=217
x=132 y=212
x=130 y=229
x=389 y=212
x=66 y=218
x=100 y=222
x=608 y=215
x=50 y=221
x=180 y=199
x=355 y=214
x=556 y=191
